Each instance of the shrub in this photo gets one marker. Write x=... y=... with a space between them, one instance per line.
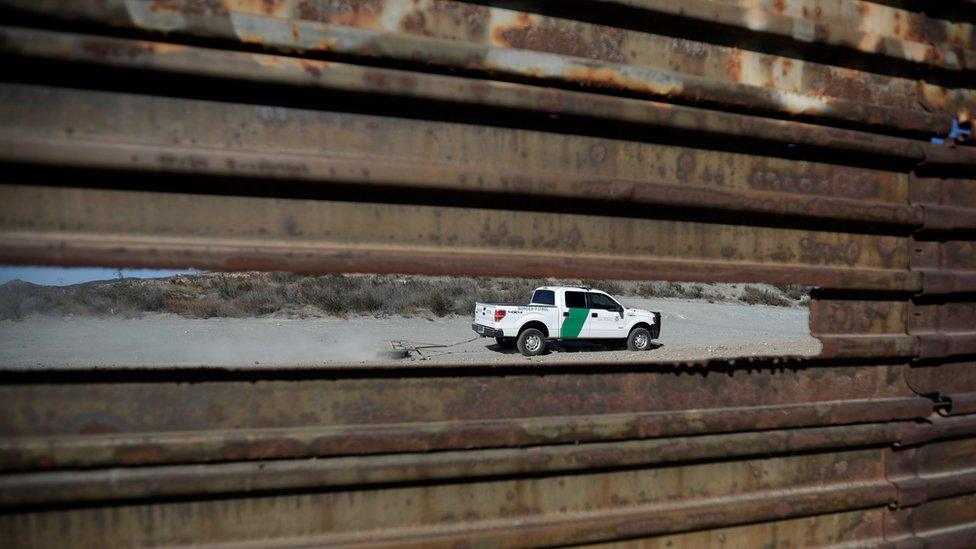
x=133 y=298
x=660 y=289
x=439 y=303
x=232 y=287
x=753 y=295
x=249 y=294
x=608 y=286
x=204 y=307
x=794 y=291
x=258 y=302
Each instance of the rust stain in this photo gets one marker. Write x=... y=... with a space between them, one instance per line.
x=733 y=65
x=116 y=49
x=564 y=38
x=352 y=13
x=250 y=38
x=611 y=78
x=192 y=7
x=327 y=44
x=264 y=7
x=598 y=153
x=824 y=253
x=846 y=183
x=314 y=68
x=377 y=78
x=415 y=22
x=685 y=166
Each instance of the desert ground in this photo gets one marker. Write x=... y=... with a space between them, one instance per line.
x=692 y=329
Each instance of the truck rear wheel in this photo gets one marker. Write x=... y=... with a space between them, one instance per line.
x=531 y=342
x=639 y=339
x=505 y=342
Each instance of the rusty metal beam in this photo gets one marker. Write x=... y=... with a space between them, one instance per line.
x=345 y=77
x=85 y=226
x=946 y=267
x=953 y=381
x=861 y=26
x=534 y=510
x=865 y=527
x=97 y=129
x=261 y=476
x=947 y=204
x=380 y=172
x=852 y=328
x=105 y=424
x=944 y=330
x=858 y=317
x=947 y=522
x=33 y=112
x=508 y=44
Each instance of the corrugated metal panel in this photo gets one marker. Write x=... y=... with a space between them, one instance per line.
x=470 y=138
x=519 y=44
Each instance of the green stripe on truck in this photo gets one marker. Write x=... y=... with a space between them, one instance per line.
x=573 y=324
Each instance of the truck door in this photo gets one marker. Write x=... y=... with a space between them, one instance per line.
x=573 y=315
x=606 y=318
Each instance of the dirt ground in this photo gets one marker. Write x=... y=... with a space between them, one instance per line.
x=691 y=329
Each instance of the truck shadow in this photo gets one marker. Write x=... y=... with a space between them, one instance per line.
x=574 y=347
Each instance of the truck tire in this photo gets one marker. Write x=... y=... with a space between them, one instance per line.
x=507 y=343
x=531 y=342
x=639 y=339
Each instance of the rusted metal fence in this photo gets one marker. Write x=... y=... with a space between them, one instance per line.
x=724 y=140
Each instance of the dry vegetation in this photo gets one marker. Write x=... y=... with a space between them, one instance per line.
x=255 y=294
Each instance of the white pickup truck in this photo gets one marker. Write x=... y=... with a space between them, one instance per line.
x=565 y=312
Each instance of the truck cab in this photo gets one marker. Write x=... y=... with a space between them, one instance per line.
x=565 y=313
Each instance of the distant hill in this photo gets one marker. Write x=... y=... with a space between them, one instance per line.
x=256 y=294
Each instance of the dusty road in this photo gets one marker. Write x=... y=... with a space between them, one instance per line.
x=691 y=330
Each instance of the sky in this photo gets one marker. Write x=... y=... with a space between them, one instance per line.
x=62 y=276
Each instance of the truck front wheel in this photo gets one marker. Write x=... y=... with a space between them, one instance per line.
x=639 y=339
x=531 y=342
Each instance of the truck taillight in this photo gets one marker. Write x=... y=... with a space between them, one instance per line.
x=499 y=315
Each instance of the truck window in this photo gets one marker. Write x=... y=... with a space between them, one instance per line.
x=544 y=297
x=576 y=300
x=600 y=301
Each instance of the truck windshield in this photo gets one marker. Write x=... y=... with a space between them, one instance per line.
x=544 y=297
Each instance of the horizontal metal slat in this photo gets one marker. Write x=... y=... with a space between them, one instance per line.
x=57 y=425
x=113 y=130
x=84 y=226
x=945 y=267
x=961 y=403
x=947 y=204
x=946 y=377
x=858 y=317
x=854 y=527
x=382 y=173
x=851 y=328
x=345 y=77
x=862 y=26
x=949 y=522
x=107 y=450
x=506 y=44
x=17 y=489
x=589 y=507
x=951 y=193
